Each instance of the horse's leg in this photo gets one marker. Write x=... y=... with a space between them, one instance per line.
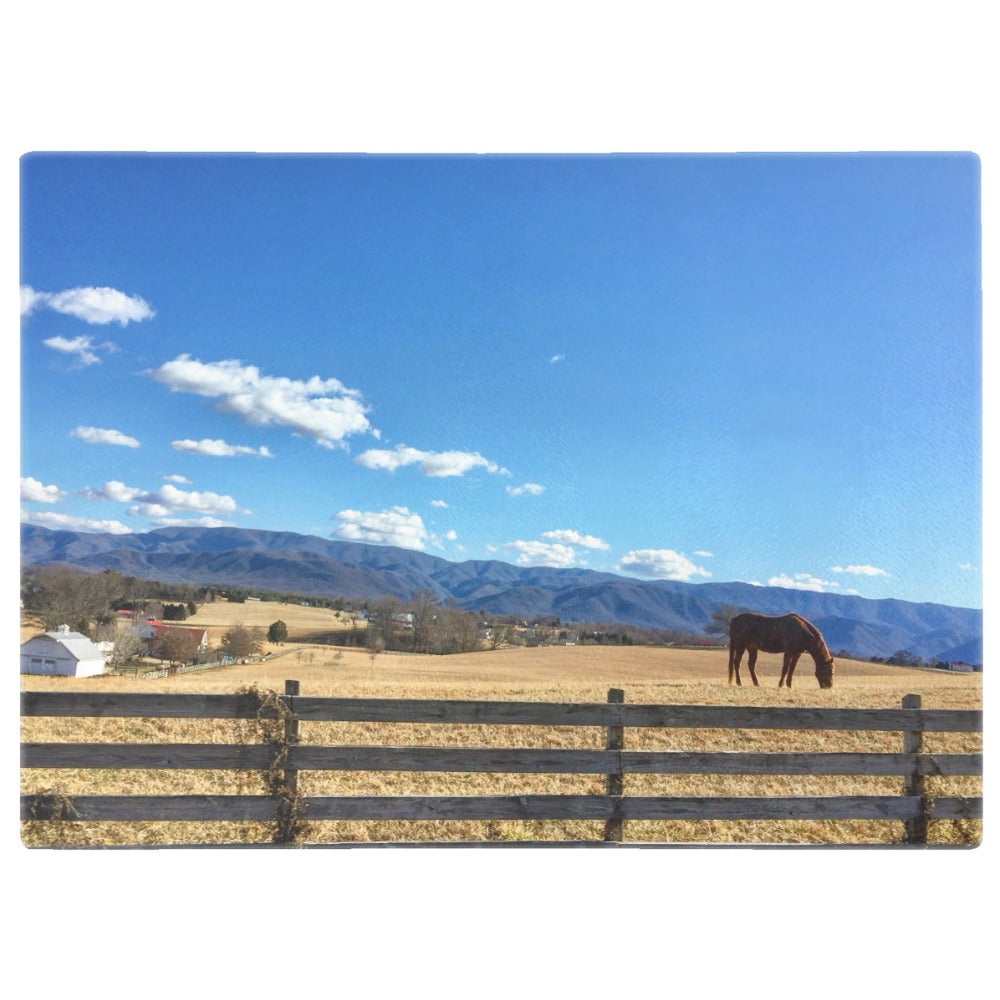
x=735 y=655
x=793 y=658
x=752 y=664
x=784 y=670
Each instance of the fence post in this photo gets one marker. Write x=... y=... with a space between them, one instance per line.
x=288 y=802
x=291 y=736
x=615 y=783
x=914 y=785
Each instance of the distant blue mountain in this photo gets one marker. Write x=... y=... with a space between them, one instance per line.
x=286 y=562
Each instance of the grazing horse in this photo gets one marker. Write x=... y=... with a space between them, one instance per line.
x=791 y=635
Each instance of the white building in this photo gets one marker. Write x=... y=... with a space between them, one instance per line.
x=62 y=652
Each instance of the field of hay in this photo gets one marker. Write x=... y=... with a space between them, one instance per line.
x=305 y=624
x=579 y=673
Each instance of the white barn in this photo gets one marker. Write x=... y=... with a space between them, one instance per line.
x=62 y=652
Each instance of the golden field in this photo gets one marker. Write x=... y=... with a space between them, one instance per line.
x=557 y=673
x=304 y=624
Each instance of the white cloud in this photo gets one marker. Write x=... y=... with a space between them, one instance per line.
x=396 y=526
x=551 y=554
x=575 y=538
x=190 y=522
x=67 y=522
x=92 y=305
x=859 y=570
x=556 y=358
x=164 y=501
x=532 y=488
x=156 y=511
x=559 y=551
x=208 y=446
x=436 y=464
x=34 y=491
x=968 y=567
x=112 y=490
x=451 y=535
x=438 y=503
x=98 y=435
x=660 y=564
x=29 y=299
x=704 y=555
x=83 y=347
x=182 y=480
x=174 y=499
x=801 y=581
x=322 y=409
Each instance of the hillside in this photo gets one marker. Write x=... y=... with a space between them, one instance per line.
x=308 y=565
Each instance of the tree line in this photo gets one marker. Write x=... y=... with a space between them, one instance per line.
x=66 y=595
x=422 y=625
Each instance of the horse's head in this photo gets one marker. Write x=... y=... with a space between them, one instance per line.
x=824 y=673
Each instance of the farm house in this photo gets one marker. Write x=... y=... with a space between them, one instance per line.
x=62 y=652
x=149 y=630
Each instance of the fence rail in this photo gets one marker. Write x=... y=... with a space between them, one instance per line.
x=513 y=713
x=498 y=807
x=914 y=807
x=314 y=757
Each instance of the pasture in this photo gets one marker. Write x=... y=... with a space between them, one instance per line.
x=647 y=675
x=305 y=624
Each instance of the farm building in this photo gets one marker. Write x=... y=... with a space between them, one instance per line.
x=62 y=652
x=150 y=629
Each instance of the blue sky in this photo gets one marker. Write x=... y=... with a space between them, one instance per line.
x=707 y=368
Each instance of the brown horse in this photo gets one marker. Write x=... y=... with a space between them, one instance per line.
x=787 y=634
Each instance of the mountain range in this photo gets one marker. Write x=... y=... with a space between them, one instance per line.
x=286 y=562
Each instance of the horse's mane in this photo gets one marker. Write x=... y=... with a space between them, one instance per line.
x=816 y=634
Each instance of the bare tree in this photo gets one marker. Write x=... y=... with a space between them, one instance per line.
x=457 y=632
x=64 y=595
x=176 y=645
x=721 y=617
x=128 y=644
x=425 y=607
x=242 y=641
x=500 y=635
x=381 y=623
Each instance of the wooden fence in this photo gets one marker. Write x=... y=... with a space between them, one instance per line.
x=914 y=807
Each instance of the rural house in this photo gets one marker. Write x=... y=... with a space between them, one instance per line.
x=202 y=635
x=149 y=629
x=62 y=652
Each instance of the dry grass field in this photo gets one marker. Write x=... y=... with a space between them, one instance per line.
x=304 y=624
x=647 y=675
